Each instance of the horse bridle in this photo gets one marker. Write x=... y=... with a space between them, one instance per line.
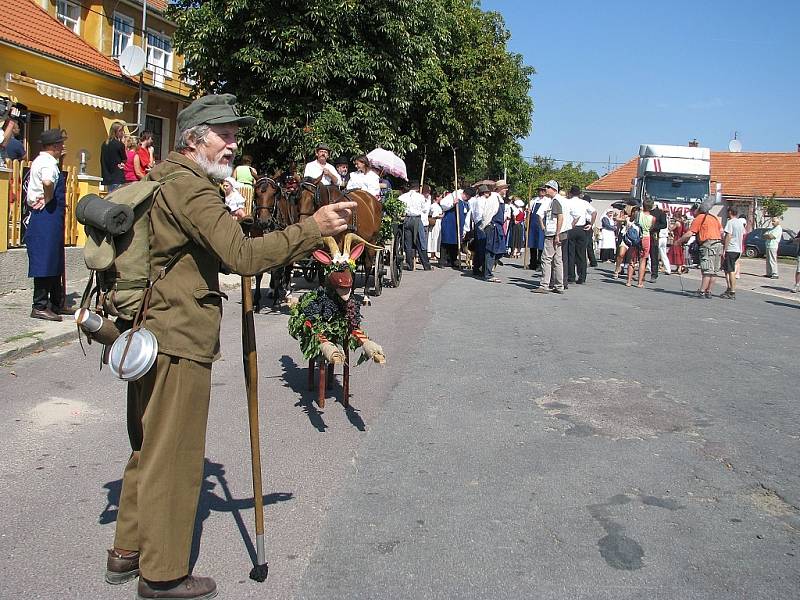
x=310 y=187
x=275 y=210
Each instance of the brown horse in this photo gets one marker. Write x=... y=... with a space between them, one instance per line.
x=271 y=212
x=365 y=222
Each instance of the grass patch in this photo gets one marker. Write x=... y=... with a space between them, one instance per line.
x=22 y=336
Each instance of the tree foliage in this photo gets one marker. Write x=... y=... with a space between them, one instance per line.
x=417 y=77
x=768 y=207
x=530 y=175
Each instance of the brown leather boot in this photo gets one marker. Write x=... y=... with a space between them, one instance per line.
x=121 y=568
x=189 y=588
x=45 y=313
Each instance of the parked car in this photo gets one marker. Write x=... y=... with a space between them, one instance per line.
x=755 y=244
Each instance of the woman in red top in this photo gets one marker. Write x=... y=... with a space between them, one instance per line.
x=676 y=254
x=142 y=161
x=130 y=152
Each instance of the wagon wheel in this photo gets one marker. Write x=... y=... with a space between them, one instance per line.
x=309 y=270
x=320 y=273
x=377 y=273
x=396 y=261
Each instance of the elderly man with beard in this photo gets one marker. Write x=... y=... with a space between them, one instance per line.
x=192 y=236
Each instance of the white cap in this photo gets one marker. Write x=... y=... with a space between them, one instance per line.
x=552 y=184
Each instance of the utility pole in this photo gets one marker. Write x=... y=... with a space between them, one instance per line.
x=140 y=101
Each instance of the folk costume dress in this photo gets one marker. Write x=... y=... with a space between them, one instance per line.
x=453 y=233
x=535 y=237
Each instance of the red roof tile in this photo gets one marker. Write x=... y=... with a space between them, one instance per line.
x=34 y=29
x=740 y=173
x=160 y=5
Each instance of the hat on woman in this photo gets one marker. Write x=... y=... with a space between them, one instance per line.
x=519 y=203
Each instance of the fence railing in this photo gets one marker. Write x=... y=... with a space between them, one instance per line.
x=12 y=200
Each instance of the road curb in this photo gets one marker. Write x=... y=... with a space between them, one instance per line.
x=38 y=342
x=38 y=345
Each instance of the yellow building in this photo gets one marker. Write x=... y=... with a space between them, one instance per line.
x=58 y=58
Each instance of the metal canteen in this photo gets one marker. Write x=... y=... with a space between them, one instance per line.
x=140 y=358
x=96 y=326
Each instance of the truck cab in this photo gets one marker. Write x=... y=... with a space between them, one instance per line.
x=674 y=177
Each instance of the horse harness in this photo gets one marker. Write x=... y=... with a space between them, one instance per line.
x=344 y=194
x=274 y=221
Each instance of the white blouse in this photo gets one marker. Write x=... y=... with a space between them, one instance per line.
x=369 y=182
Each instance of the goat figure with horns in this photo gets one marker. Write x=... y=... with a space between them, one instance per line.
x=327 y=321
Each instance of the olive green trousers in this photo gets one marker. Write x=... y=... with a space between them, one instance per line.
x=167 y=418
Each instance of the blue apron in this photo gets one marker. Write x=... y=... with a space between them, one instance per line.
x=449 y=235
x=44 y=237
x=535 y=233
x=495 y=238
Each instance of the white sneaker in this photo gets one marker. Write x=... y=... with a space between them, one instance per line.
x=796 y=288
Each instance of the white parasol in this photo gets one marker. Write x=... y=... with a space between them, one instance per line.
x=388 y=160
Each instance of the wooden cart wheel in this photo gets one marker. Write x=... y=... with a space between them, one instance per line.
x=377 y=273
x=396 y=264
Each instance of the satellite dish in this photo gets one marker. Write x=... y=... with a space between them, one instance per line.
x=132 y=60
x=735 y=145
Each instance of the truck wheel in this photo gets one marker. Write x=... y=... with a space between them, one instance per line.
x=751 y=252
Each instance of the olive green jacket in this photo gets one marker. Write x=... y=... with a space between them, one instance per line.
x=190 y=217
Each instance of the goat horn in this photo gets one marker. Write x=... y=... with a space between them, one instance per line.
x=333 y=247
x=350 y=237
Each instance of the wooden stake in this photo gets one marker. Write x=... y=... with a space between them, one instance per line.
x=527 y=225
x=422 y=177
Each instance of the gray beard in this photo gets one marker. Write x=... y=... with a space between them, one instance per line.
x=213 y=170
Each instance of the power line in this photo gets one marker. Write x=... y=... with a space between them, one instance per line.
x=583 y=162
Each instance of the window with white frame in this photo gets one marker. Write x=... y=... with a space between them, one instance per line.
x=123 y=34
x=69 y=14
x=159 y=57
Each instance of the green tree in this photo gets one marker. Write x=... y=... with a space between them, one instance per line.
x=768 y=207
x=406 y=75
x=530 y=175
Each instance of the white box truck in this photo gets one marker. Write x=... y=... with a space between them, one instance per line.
x=675 y=177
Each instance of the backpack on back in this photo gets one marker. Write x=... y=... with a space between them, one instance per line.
x=633 y=235
x=120 y=256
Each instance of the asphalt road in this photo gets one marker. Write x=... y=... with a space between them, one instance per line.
x=609 y=443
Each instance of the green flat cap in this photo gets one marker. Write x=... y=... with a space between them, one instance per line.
x=214 y=109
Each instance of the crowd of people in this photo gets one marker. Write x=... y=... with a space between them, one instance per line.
x=564 y=235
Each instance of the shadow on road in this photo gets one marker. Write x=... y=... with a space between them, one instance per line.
x=295 y=378
x=213 y=475
x=527 y=284
x=786 y=304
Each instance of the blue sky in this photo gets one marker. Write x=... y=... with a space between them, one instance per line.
x=613 y=74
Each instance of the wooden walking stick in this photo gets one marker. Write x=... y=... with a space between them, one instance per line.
x=527 y=227
x=250 y=359
x=424 y=162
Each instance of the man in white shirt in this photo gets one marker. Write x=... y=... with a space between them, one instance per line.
x=44 y=237
x=426 y=211
x=582 y=216
x=415 y=207
x=321 y=166
x=455 y=223
x=481 y=212
x=551 y=217
x=732 y=249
